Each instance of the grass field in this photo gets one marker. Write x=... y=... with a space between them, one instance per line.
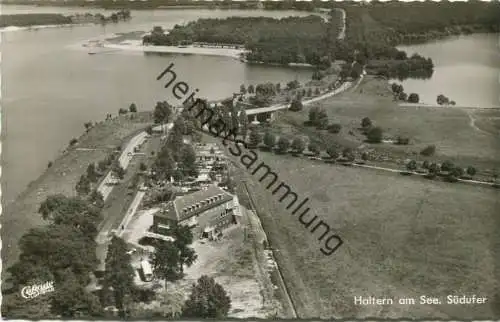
x=403 y=237
x=21 y=215
x=468 y=137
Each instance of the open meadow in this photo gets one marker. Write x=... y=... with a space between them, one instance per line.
x=466 y=136
x=403 y=237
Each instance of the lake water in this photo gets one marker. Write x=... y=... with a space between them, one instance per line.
x=50 y=87
x=466 y=70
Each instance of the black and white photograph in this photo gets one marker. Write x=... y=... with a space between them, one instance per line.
x=244 y=160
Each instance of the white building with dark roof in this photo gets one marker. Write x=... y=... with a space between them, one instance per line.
x=207 y=212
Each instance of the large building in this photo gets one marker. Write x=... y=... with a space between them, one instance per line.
x=207 y=212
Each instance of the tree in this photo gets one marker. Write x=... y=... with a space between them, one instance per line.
x=269 y=140
x=296 y=105
x=83 y=185
x=309 y=92
x=243 y=89
x=143 y=166
x=149 y=130
x=92 y=173
x=428 y=150
x=70 y=299
x=278 y=88
x=119 y=272
x=366 y=122
x=162 y=112
x=208 y=299
x=292 y=85
x=298 y=145
x=334 y=128
x=317 y=91
x=457 y=172
x=402 y=140
x=251 y=89
x=442 y=100
x=254 y=139
x=365 y=156
x=166 y=261
x=413 y=98
x=122 y=111
x=96 y=198
x=188 y=160
x=348 y=154
x=314 y=148
x=243 y=122
x=88 y=126
x=425 y=164
x=403 y=96
x=132 y=108
x=375 y=135
x=118 y=171
x=183 y=238
x=412 y=165
x=447 y=166
x=283 y=144
x=433 y=169
x=471 y=171
x=332 y=151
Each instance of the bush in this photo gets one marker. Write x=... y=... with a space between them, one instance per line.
x=375 y=135
x=413 y=98
x=366 y=122
x=283 y=145
x=73 y=142
x=334 y=128
x=401 y=140
x=447 y=166
x=314 y=148
x=429 y=150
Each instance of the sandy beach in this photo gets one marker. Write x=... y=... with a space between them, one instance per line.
x=136 y=45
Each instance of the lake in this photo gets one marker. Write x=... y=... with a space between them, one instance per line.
x=466 y=70
x=50 y=87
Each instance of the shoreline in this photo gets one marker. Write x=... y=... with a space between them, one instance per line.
x=36 y=27
x=418 y=105
x=21 y=214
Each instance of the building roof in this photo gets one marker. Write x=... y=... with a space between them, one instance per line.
x=187 y=206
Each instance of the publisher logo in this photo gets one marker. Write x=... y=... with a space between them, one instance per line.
x=32 y=291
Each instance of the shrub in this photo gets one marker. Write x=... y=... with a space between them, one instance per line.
x=366 y=122
x=447 y=166
x=375 y=135
x=428 y=150
x=334 y=128
x=413 y=98
x=402 y=140
x=73 y=141
x=283 y=145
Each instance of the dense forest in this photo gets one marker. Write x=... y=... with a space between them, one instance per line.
x=40 y=19
x=23 y=20
x=396 y=23
x=281 y=41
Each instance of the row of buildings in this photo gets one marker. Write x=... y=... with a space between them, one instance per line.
x=207 y=211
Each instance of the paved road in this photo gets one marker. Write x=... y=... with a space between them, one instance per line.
x=131 y=211
x=345 y=86
x=342 y=31
x=419 y=174
x=106 y=187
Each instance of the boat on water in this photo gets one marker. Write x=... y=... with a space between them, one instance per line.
x=92 y=52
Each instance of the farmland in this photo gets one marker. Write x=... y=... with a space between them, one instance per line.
x=403 y=237
x=465 y=136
